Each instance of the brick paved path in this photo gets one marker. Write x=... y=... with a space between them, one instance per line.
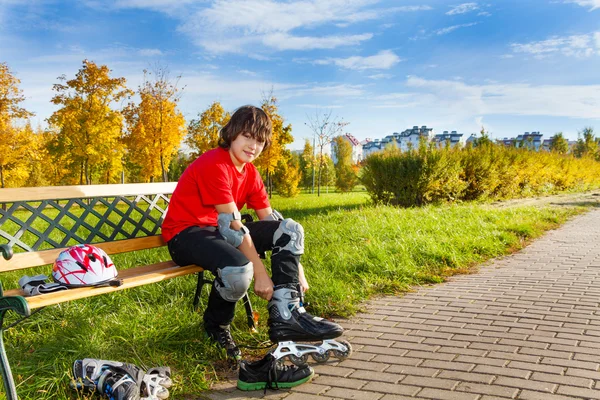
x=525 y=327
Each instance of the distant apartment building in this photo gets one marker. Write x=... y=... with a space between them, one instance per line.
x=357 y=148
x=451 y=139
x=404 y=141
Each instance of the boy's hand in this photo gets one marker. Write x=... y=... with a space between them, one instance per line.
x=302 y=279
x=303 y=283
x=263 y=287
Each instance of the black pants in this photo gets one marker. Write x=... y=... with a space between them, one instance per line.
x=207 y=248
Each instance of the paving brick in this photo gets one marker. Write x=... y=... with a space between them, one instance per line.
x=430 y=356
x=551 y=369
x=513 y=356
x=396 y=397
x=482 y=360
x=579 y=392
x=438 y=394
x=389 y=388
x=303 y=396
x=530 y=395
x=397 y=360
x=462 y=351
x=313 y=388
x=500 y=391
x=488 y=369
x=411 y=370
x=570 y=363
x=338 y=382
x=525 y=384
x=466 y=376
x=561 y=379
x=376 y=376
x=340 y=393
x=323 y=369
x=583 y=373
x=448 y=365
x=429 y=382
x=371 y=366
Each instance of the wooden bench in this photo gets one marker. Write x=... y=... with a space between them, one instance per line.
x=36 y=224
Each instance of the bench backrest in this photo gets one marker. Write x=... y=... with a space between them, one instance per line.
x=38 y=223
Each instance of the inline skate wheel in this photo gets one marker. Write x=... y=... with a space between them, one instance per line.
x=320 y=358
x=299 y=361
x=343 y=354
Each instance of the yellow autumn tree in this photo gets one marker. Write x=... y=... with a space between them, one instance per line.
x=14 y=140
x=87 y=128
x=203 y=132
x=41 y=163
x=155 y=126
x=269 y=159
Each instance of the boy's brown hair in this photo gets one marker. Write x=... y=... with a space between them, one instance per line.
x=247 y=119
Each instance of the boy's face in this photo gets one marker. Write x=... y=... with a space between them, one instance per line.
x=245 y=149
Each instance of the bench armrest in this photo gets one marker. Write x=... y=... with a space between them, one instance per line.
x=7 y=251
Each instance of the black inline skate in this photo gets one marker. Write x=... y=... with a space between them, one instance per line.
x=290 y=323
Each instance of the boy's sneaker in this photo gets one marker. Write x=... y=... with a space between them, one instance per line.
x=268 y=373
x=221 y=334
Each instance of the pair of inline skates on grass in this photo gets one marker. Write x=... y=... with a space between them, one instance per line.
x=289 y=323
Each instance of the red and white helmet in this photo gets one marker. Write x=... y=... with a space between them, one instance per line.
x=83 y=265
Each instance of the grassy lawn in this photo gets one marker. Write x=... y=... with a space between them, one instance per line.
x=353 y=251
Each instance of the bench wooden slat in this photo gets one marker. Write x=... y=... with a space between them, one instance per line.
x=34 y=259
x=132 y=277
x=11 y=195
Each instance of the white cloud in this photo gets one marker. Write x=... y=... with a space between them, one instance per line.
x=579 y=46
x=445 y=31
x=456 y=97
x=380 y=76
x=593 y=4
x=150 y=52
x=283 y=41
x=243 y=26
x=463 y=8
x=385 y=59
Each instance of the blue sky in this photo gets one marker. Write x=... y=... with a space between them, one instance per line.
x=383 y=66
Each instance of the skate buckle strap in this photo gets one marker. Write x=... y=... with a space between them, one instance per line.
x=35 y=285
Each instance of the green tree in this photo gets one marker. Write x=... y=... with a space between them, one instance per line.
x=203 y=132
x=559 y=144
x=88 y=129
x=483 y=139
x=586 y=146
x=307 y=165
x=178 y=164
x=345 y=176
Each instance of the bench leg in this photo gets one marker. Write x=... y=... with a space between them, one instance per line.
x=199 y=287
x=249 y=313
x=7 y=378
x=247 y=304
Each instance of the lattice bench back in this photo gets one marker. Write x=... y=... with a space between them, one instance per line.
x=37 y=223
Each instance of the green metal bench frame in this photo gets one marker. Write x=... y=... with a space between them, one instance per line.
x=117 y=218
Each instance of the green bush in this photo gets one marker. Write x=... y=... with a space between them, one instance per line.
x=433 y=175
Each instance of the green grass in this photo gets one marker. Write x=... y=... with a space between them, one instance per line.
x=353 y=251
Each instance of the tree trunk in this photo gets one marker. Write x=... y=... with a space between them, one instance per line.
x=1 y=176
x=165 y=178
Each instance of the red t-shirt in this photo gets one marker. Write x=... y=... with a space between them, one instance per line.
x=210 y=180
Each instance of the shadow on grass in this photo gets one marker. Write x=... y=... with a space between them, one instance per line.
x=308 y=212
x=595 y=204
